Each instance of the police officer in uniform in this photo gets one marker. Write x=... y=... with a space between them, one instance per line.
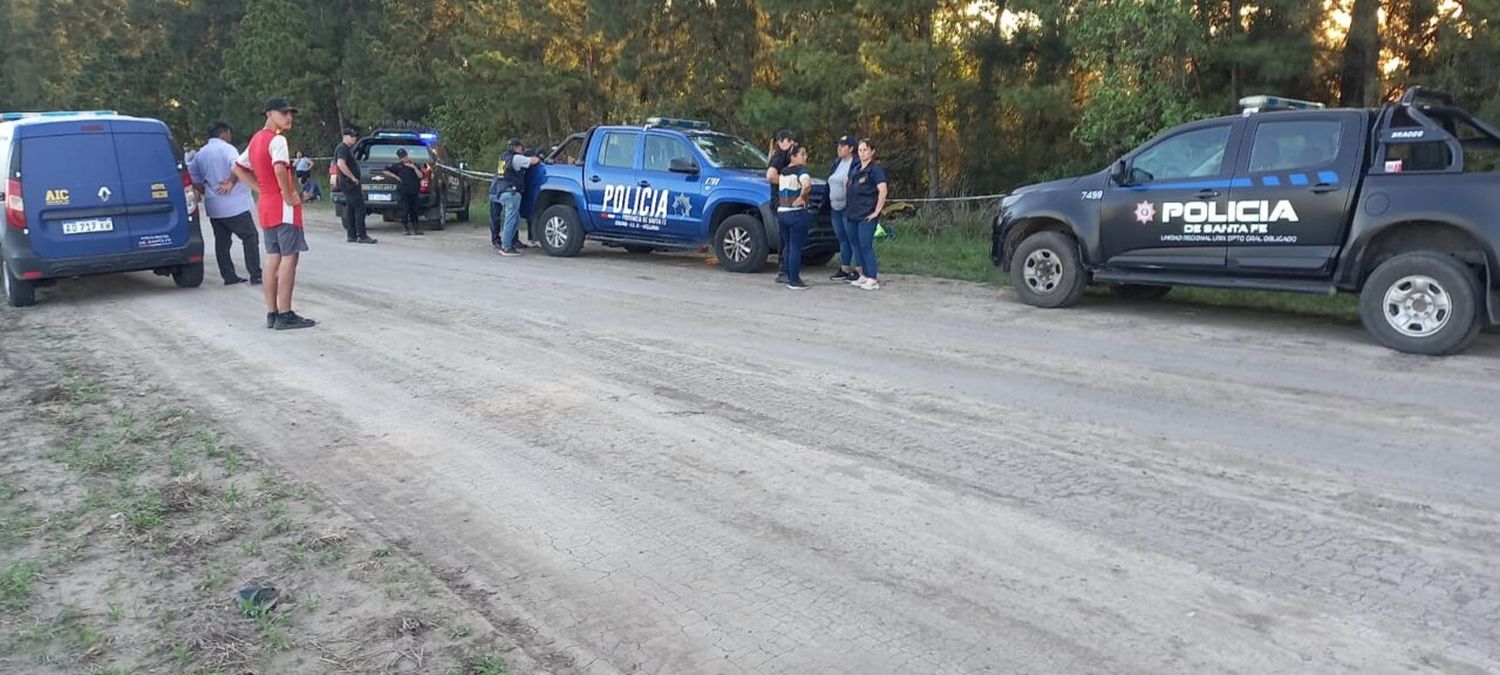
x=505 y=196
x=349 y=178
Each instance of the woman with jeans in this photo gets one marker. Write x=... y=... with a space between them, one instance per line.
x=792 y=216
x=838 y=204
x=867 y=191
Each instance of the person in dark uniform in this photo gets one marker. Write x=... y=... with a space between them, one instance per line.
x=780 y=157
x=348 y=179
x=505 y=196
x=408 y=191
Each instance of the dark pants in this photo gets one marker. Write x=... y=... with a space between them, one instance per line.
x=354 y=214
x=411 y=213
x=496 y=214
x=794 y=226
x=225 y=229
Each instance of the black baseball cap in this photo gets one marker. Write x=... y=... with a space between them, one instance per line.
x=280 y=104
x=513 y=143
x=351 y=131
x=786 y=135
x=849 y=141
x=401 y=153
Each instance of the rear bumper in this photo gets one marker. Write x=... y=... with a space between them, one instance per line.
x=21 y=258
x=425 y=201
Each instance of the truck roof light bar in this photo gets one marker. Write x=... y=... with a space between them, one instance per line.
x=676 y=123
x=1254 y=104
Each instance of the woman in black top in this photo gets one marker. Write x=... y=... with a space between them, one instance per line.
x=867 y=191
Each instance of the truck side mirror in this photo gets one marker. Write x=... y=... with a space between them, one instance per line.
x=1121 y=173
x=463 y=166
x=683 y=165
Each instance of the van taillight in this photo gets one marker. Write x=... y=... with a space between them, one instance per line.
x=15 y=207
x=190 y=193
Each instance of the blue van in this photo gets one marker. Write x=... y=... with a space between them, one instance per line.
x=90 y=193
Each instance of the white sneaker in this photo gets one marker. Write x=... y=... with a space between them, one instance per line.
x=860 y=282
x=870 y=285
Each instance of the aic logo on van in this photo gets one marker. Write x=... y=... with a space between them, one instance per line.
x=105 y=194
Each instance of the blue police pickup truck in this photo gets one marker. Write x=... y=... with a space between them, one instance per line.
x=93 y=193
x=667 y=185
x=1398 y=204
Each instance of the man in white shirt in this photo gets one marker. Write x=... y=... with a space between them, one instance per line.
x=227 y=202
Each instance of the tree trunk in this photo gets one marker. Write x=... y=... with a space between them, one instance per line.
x=929 y=106
x=1361 y=60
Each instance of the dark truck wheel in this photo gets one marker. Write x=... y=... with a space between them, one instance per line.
x=1422 y=303
x=740 y=244
x=18 y=292
x=1047 y=272
x=441 y=221
x=562 y=234
x=818 y=258
x=463 y=213
x=1140 y=291
x=189 y=275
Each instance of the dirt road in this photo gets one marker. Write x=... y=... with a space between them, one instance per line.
x=643 y=464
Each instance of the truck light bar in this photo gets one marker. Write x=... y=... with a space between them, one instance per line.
x=676 y=123
x=1254 y=104
x=13 y=116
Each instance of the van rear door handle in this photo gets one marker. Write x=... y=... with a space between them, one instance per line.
x=1207 y=194
x=644 y=183
x=1321 y=188
x=594 y=179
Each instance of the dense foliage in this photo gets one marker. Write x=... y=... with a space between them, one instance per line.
x=963 y=95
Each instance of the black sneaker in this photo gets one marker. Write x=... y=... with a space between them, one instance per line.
x=521 y=244
x=254 y=281
x=290 y=321
x=350 y=239
x=270 y=319
x=233 y=281
x=508 y=252
x=841 y=275
x=367 y=240
x=781 y=279
x=797 y=286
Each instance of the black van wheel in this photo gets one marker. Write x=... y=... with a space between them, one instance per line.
x=562 y=234
x=1422 y=303
x=18 y=292
x=1140 y=291
x=1046 y=270
x=189 y=275
x=740 y=244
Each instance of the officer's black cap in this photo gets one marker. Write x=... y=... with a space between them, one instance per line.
x=280 y=104
x=786 y=135
x=513 y=143
x=351 y=131
x=849 y=141
x=401 y=153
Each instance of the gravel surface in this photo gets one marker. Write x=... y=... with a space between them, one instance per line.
x=643 y=464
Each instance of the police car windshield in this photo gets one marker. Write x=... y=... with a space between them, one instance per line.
x=728 y=152
x=385 y=153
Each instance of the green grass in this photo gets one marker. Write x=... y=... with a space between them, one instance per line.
x=15 y=585
x=952 y=242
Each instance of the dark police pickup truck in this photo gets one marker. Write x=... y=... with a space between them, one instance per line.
x=442 y=191
x=1397 y=203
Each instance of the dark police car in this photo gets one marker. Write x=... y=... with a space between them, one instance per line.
x=93 y=193
x=670 y=184
x=443 y=191
x=1398 y=204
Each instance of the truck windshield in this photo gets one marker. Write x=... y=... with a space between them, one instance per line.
x=728 y=152
x=385 y=153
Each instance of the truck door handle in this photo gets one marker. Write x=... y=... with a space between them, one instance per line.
x=644 y=183
x=1321 y=188
x=1207 y=194
x=594 y=179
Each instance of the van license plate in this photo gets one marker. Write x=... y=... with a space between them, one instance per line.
x=379 y=197
x=87 y=226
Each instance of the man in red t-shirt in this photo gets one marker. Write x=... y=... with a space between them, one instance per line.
x=267 y=162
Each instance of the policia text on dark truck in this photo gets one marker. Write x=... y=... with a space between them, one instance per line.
x=1399 y=204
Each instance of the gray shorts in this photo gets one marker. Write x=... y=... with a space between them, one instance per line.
x=286 y=239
